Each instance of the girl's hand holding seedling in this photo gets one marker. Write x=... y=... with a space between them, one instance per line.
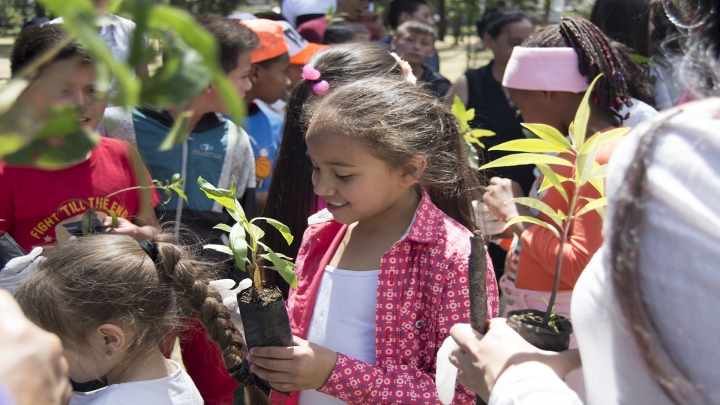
x=135 y=231
x=305 y=366
x=496 y=197
x=481 y=360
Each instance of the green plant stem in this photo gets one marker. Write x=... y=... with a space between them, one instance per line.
x=133 y=188
x=558 y=265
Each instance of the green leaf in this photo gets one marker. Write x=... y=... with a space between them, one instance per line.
x=475 y=141
x=554 y=179
x=238 y=245
x=284 y=267
x=586 y=161
x=470 y=114
x=598 y=173
x=87 y=220
x=549 y=134
x=540 y=206
x=114 y=223
x=607 y=137
x=592 y=205
x=224 y=197
x=529 y=145
x=219 y=248
x=178 y=133
x=599 y=185
x=526 y=159
x=582 y=117
x=458 y=110
x=180 y=192
x=223 y=227
x=546 y=184
x=257 y=232
x=640 y=58
x=282 y=228
x=482 y=133
x=535 y=221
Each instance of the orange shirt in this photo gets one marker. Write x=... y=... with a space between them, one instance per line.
x=538 y=248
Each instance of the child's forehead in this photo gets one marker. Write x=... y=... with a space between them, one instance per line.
x=416 y=35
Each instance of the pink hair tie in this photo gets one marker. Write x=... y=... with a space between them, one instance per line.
x=544 y=69
x=311 y=74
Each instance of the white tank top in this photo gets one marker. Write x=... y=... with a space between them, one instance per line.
x=343 y=320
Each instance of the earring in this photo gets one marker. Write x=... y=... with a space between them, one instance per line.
x=108 y=353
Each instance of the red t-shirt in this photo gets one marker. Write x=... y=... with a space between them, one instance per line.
x=34 y=206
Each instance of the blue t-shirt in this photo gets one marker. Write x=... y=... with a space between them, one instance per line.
x=265 y=130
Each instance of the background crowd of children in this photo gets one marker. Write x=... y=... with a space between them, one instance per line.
x=370 y=169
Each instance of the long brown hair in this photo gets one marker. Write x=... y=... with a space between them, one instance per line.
x=399 y=121
x=102 y=278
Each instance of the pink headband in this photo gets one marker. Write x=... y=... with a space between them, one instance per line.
x=544 y=69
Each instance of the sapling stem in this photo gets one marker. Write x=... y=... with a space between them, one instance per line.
x=558 y=264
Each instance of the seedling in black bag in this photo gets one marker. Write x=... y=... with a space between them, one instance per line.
x=262 y=309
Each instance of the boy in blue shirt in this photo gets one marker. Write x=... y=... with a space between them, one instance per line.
x=270 y=82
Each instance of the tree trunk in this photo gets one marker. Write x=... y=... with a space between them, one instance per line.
x=442 y=25
x=548 y=8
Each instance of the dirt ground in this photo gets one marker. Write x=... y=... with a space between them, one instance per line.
x=454 y=59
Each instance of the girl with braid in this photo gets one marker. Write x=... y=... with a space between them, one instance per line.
x=645 y=308
x=110 y=300
x=547 y=78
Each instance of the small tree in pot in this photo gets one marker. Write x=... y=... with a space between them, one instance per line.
x=262 y=309
x=547 y=330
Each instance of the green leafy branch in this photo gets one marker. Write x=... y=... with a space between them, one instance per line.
x=582 y=151
x=244 y=243
x=90 y=216
x=470 y=136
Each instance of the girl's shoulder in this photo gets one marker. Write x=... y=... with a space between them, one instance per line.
x=435 y=228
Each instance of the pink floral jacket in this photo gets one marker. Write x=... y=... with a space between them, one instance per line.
x=422 y=292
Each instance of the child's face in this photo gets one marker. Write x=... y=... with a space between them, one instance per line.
x=355 y=185
x=423 y=15
x=415 y=48
x=354 y=9
x=512 y=35
x=272 y=82
x=240 y=76
x=74 y=84
x=295 y=75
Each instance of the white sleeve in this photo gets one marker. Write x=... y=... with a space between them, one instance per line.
x=532 y=383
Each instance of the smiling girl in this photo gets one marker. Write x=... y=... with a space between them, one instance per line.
x=382 y=274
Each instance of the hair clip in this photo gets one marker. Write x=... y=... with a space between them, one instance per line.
x=310 y=73
x=405 y=66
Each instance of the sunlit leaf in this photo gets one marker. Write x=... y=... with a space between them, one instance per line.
x=535 y=221
x=219 y=248
x=223 y=197
x=257 y=232
x=582 y=116
x=598 y=173
x=599 y=185
x=554 y=179
x=482 y=133
x=475 y=141
x=282 y=228
x=470 y=114
x=238 y=245
x=223 y=227
x=586 y=161
x=540 y=206
x=114 y=223
x=529 y=145
x=458 y=109
x=607 y=137
x=526 y=159
x=549 y=134
x=592 y=205
x=284 y=267
x=180 y=192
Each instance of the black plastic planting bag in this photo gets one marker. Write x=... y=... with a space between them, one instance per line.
x=539 y=337
x=9 y=249
x=266 y=325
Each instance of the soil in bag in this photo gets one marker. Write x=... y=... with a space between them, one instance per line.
x=527 y=323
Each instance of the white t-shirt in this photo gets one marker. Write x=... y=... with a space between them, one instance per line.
x=175 y=389
x=679 y=257
x=343 y=320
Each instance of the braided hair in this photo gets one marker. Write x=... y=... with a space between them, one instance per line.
x=596 y=55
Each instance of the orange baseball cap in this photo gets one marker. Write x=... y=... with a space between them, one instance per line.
x=272 y=40
x=300 y=49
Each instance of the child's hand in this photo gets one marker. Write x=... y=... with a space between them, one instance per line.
x=125 y=227
x=496 y=197
x=374 y=22
x=305 y=366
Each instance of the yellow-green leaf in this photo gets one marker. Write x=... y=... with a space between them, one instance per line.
x=586 y=161
x=529 y=145
x=520 y=159
x=582 y=116
x=282 y=228
x=223 y=227
x=535 y=221
x=540 y=206
x=549 y=134
x=592 y=205
x=238 y=245
x=553 y=178
x=470 y=114
x=284 y=267
x=458 y=110
x=219 y=248
x=482 y=133
x=599 y=185
x=598 y=173
x=178 y=132
x=610 y=136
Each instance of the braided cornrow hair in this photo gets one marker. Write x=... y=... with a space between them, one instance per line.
x=596 y=55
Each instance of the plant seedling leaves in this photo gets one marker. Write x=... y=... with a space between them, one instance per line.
x=180 y=192
x=582 y=117
x=114 y=217
x=610 y=136
x=238 y=245
x=526 y=159
x=598 y=173
x=554 y=179
x=87 y=220
x=586 y=161
x=226 y=198
x=535 y=221
x=178 y=133
x=482 y=133
x=219 y=248
x=470 y=114
x=546 y=184
x=257 y=232
x=475 y=141
x=284 y=267
x=458 y=110
x=529 y=145
x=599 y=185
x=282 y=228
x=540 y=206
x=592 y=205
x=549 y=134
x=223 y=227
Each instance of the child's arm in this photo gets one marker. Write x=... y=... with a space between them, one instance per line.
x=140 y=228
